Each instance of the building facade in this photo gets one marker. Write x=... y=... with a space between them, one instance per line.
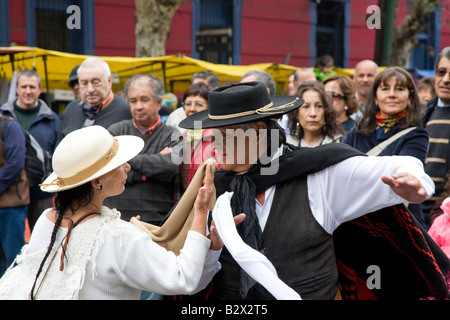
x=293 y=32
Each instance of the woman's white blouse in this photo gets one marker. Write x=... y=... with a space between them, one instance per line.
x=126 y=261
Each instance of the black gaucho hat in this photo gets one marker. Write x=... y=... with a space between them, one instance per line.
x=241 y=103
x=73 y=74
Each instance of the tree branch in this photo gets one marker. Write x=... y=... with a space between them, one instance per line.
x=403 y=39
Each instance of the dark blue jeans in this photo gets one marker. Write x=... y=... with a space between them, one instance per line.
x=12 y=229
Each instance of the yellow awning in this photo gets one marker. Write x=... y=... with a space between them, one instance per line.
x=176 y=71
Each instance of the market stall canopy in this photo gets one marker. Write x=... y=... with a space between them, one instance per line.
x=176 y=71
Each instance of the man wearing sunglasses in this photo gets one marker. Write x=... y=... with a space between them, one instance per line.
x=437 y=124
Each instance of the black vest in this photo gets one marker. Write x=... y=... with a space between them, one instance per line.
x=299 y=248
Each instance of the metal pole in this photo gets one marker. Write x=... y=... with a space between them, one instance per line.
x=47 y=96
x=163 y=64
x=389 y=25
x=11 y=59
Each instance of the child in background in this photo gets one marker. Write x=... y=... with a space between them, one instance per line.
x=324 y=67
x=425 y=90
x=440 y=229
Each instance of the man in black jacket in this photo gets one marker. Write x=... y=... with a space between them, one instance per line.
x=151 y=182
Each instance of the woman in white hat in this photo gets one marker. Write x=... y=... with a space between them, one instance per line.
x=82 y=250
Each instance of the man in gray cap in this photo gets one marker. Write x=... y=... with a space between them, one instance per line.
x=73 y=82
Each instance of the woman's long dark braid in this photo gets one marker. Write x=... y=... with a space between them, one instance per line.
x=49 y=249
x=64 y=201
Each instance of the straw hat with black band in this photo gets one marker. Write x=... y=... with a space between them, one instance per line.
x=86 y=154
x=241 y=103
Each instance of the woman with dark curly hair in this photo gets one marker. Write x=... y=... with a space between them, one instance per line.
x=391 y=107
x=314 y=123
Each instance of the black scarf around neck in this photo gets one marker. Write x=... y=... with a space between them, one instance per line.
x=293 y=163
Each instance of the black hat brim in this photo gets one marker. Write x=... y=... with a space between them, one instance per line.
x=202 y=117
x=72 y=78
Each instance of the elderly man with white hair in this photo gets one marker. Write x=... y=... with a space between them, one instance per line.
x=98 y=103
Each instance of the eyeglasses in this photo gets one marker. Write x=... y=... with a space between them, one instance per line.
x=336 y=96
x=195 y=105
x=442 y=72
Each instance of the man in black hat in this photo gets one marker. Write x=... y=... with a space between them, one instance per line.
x=73 y=82
x=295 y=198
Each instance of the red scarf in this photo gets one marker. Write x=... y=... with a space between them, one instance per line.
x=388 y=122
